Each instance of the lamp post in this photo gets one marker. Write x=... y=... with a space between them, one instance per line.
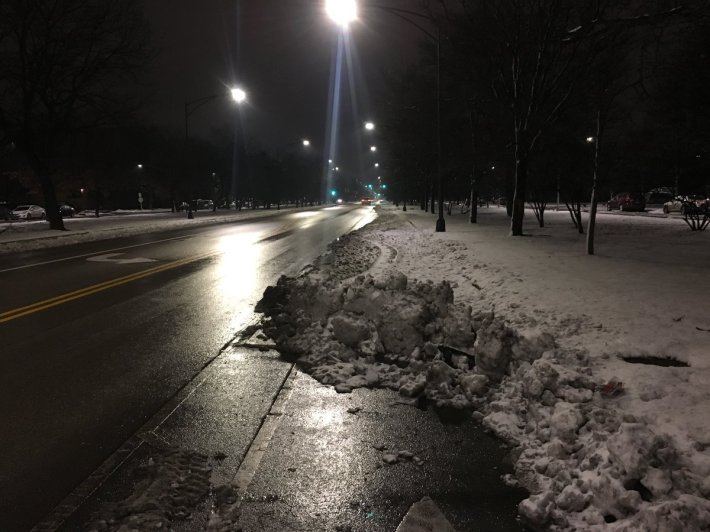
x=345 y=11
x=236 y=93
x=238 y=96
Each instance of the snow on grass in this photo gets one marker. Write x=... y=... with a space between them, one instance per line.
x=527 y=331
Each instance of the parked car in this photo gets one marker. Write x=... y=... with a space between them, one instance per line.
x=627 y=201
x=66 y=210
x=686 y=204
x=366 y=201
x=203 y=204
x=658 y=198
x=6 y=212
x=29 y=212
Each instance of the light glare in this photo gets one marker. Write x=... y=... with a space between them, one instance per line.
x=342 y=12
x=238 y=95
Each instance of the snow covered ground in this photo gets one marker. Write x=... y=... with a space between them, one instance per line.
x=596 y=369
x=539 y=341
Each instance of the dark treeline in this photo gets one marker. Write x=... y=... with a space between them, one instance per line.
x=70 y=91
x=541 y=97
x=108 y=167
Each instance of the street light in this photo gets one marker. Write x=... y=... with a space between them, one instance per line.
x=373 y=148
x=343 y=12
x=407 y=15
x=369 y=126
x=306 y=143
x=238 y=94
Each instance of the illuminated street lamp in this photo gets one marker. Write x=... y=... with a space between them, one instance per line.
x=369 y=126
x=377 y=165
x=373 y=148
x=342 y=12
x=411 y=18
x=306 y=143
x=238 y=94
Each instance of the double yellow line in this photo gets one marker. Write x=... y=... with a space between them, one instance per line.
x=100 y=287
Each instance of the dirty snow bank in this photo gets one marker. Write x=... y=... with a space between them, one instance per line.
x=168 y=487
x=587 y=464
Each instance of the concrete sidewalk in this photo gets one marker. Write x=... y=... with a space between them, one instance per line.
x=311 y=459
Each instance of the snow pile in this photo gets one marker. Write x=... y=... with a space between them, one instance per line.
x=586 y=462
x=390 y=333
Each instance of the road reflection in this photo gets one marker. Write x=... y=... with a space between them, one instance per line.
x=237 y=273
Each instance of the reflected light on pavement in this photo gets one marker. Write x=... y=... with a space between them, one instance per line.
x=305 y=214
x=323 y=417
x=237 y=272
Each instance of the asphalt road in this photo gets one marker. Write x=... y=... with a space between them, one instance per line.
x=95 y=338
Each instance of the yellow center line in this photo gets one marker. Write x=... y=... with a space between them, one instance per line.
x=93 y=289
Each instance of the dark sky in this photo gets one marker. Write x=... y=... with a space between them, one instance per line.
x=280 y=52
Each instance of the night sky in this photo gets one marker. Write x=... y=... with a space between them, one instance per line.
x=280 y=52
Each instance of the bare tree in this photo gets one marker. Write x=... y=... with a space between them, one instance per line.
x=64 y=66
x=540 y=51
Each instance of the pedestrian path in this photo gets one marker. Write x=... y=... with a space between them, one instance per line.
x=312 y=460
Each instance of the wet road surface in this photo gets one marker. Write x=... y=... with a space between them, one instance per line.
x=96 y=338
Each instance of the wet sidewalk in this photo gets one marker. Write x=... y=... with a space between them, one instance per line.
x=312 y=459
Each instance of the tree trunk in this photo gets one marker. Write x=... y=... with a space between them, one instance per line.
x=538 y=208
x=473 y=218
x=521 y=174
x=593 y=206
x=51 y=205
